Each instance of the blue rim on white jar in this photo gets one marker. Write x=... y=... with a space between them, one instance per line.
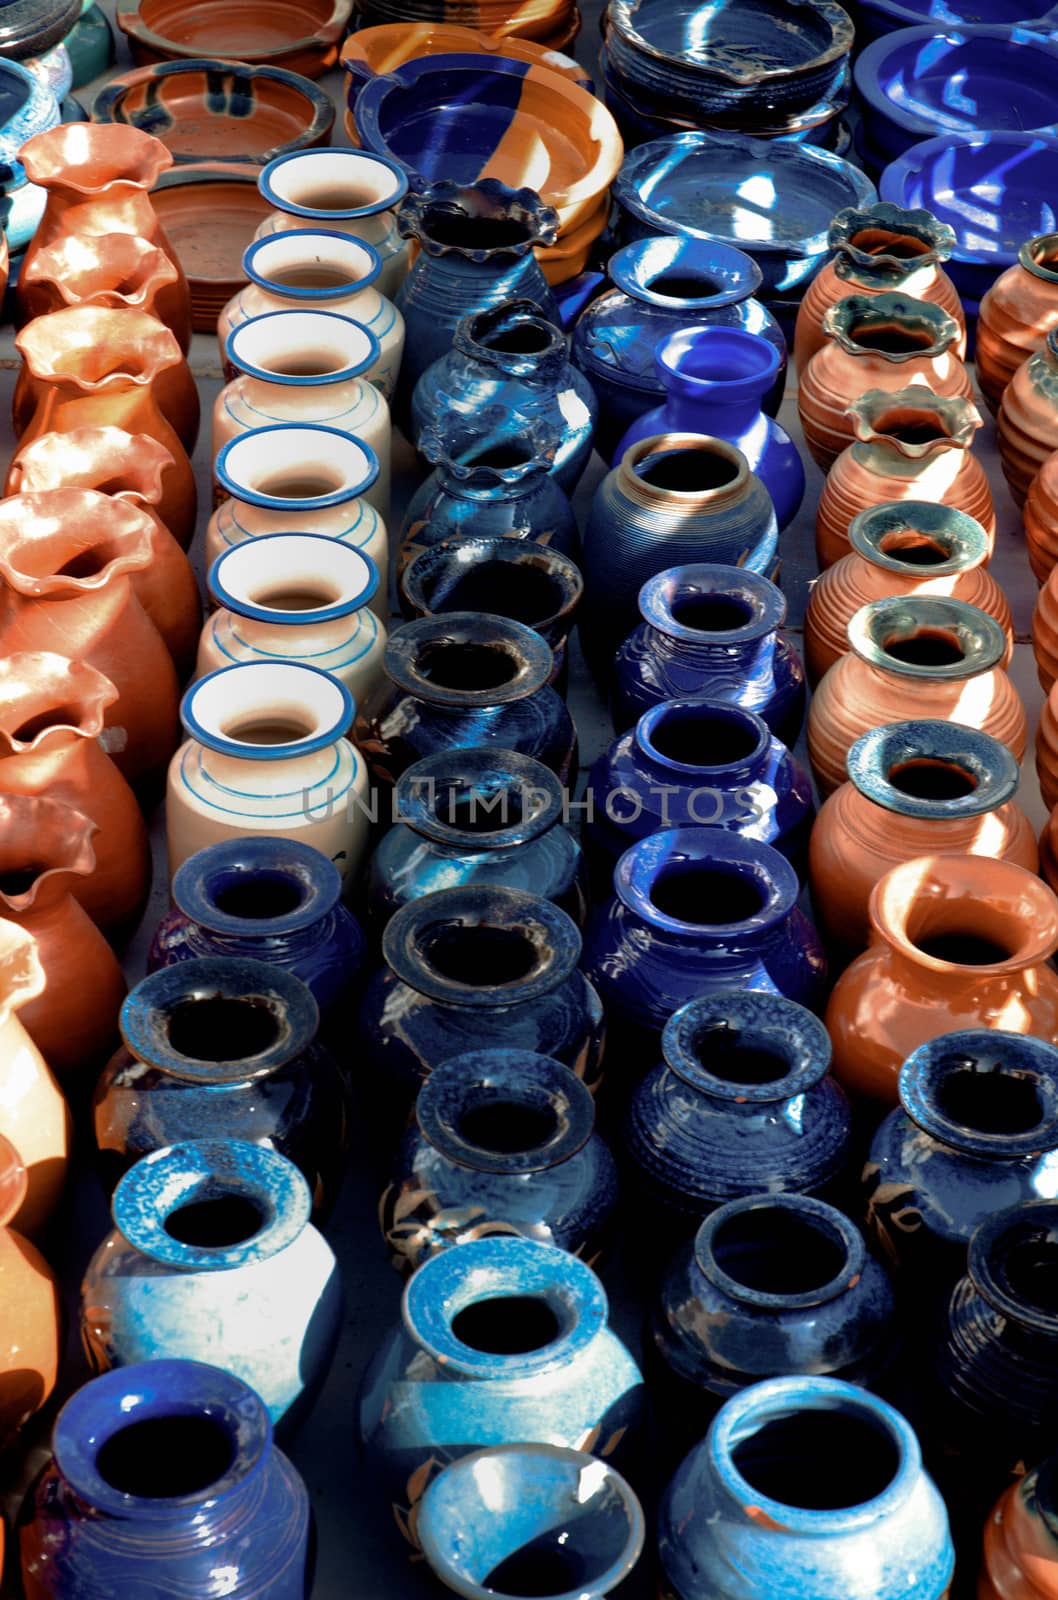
x=210 y=707
x=297 y=185
x=269 y=467
x=252 y=347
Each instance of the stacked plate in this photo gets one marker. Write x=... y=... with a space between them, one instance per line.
x=554 y=23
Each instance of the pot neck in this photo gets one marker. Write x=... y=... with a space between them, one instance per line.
x=45 y=847
x=746 y=1052
x=484 y=226
x=925 y=638
x=464 y=660
x=712 y=613
x=692 y=741
x=984 y=1094
x=895 y=328
x=704 y=888
x=715 y=372
x=887 y=247
x=254 y=891
x=933 y=771
x=479 y=799
x=916 y=539
x=779 y=1254
x=905 y=430
x=104 y=458
x=684 y=275
x=687 y=472
x=509 y=1113
x=1039 y=256
x=1012 y=1264
x=264 y=712
x=516 y=340
x=48 y=703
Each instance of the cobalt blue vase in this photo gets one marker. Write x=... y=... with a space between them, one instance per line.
x=165 y=1480
x=503 y=1142
x=274 y=900
x=477 y=816
x=711 y=630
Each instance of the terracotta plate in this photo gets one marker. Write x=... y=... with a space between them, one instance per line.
x=210 y=213
x=301 y=35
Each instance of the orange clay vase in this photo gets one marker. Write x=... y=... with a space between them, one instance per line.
x=128 y=467
x=1045 y=631
x=30 y=1309
x=956 y=942
x=910 y=445
x=914 y=656
x=33 y=1113
x=883 y=341
x=1040 y=518
x=1047 y=749
x=1020 y=1554
x=1028 y=418
x=86 y=365
x=905 y=547
x=882 y=249
x=116 y=270
x=916 y=787
x=98 y=176
x=51 y=743
x=45 y=847
x=1017 y=313
x=66 y=559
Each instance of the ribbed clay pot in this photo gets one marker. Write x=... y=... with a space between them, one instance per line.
x=1045 y=632
x=1020 y=1558
x=1027 y=429
x=1047 y=749
x=31 y=1312
x=117 y=270
x=1017 y=313
x=1040 y=519
x=884 y=341
x=911 y=657
x=34 y=1115
x=910 y=444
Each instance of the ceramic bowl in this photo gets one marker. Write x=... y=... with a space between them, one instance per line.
x=31 y=27
x=27 y=106
x=219 y=110
x=877 y=17
x=376 y=50
x=551 y=22
x=774 y=200
x=300 y=35
x=210 y=212
x=89 y=44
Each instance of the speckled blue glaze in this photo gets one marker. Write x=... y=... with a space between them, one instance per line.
x=429 y=1396
x=274 y=900
x=721 y=1534
x=86 y=1538
x=28 y=106
x=266 y=1308
x=513 y=357
x=285 y=1091
x=479 y=815
x=502 y=1142
x=713 y=630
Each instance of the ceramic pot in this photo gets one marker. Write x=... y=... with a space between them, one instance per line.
x=466 y=678
x=1045 y=633
x=568 y=1381
x=879 y=341
x=660 y=286
x=502 y=1143
x=265 y=753
x=31 y=1321
x=711 y=630
x=905 y=547
x=881 y=249
x=805 y=1484
x=118 y=270
x=912 y=657
x=343 y=191
x=915 y=788
x=512 y=356
x=477 y=816
x=1016 y=315
x=212 y=1254
x=34 y=1116
x=1047 y=750
x=117 y=1506
x=910 y=445
x=273 y=900
x=297 y=597
x=1021 y=1540
x=1027 y=432
x=318 y=269
x=1040 y=519
x=675 y=498
x=223 y=1048
x=1049 y=851
x=957 y=942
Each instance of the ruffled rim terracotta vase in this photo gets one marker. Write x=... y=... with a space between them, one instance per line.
x=1016 y=315
x=1040 y=519
x=1027 y=428
x=33 y=1110
x=117 y=270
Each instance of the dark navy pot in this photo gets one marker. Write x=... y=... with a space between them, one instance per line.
x=477 y=816
x=274 y=900
x=711 y=630
x=165 y=1481
x=503 y=1142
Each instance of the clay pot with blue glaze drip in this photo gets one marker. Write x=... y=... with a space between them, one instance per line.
x=805 y=1485
x=512 y=356
x=715 y=382
x=503 y=1141
x=212 y=1253
x=711 y=630
x=157 y=1468
x=477 y=816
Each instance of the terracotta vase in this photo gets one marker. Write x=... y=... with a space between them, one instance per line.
x=902 y=548
x=883 y=341
x=1045 y=632
x=956 y=942
x=1028 y=418
x=87 y=365
x=910 y=444
x=1017 y=313
x=33 y=1113
x=1020 y=1556
x=1047 y=749
x=915 y=788
x=119 y=271
x=883 y=249
x=98 y=176
x=30 y=1309
x=913 y=657
x=66 y=560
x=1040 y=519
x=1049 y=850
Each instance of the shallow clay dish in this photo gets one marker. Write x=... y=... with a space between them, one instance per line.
x=219 y=110
x=382 y=49
x=552 y=22
x=301 y=35
x=210 y=212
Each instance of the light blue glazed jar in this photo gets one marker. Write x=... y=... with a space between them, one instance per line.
x=213 y=1258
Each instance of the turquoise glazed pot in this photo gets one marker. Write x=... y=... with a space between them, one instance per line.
x=89 y=44
x=158 y=1468
x=213 y=1255
x=805 y=1486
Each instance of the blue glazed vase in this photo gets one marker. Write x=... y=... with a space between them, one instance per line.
x=711 y=630
x=274 y=900
x=223 y=1048
x=501 y=1341
x=660 y=286
x=513 y=357
x=477 y=816
x=715 y=381
x=672 y=499
x=213 y=1254
x=502 y=1142
x=805 y=1486
x=159 y=1468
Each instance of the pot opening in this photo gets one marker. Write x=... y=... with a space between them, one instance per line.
x=294 y=485
x=515 y=589
x=990 y=1102
x=467 y=666
x=303 y=364
x=686 y=285
x=707 y=896
x=221 y=1028
x=1029 y=1269
x=701 y=738
x=879 y=242
x=480 y=956
x=260 y=728
x=507 y=1127
x=307 y=596
x=259 y=896
x=162 y=1458
x=686 y=471
x=723 y=1053
x=313 y=275
x=914 y=548
x=337 y=196
x=711 y=613
x=501 y=457
x=819 y=1460
x=215 y=1224
x=963 y=947
x=20 y=880
x=480 y=813
x=64 y=716
x=473 y=233
x=912 y=427
x=927 y=779
x=926 y=647
x=891 y=338
x=778 y=1252
x=547 y=1565
x=507 y=1325
x=38 y=563
x=524 y=339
